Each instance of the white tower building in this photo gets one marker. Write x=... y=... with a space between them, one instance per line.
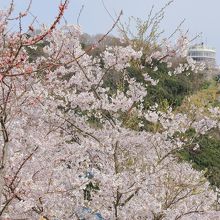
x=202 y=53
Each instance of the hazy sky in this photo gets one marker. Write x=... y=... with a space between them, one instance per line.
x=201 y=15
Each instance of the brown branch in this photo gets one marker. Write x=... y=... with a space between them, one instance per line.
x=22 y=165
x=80 y=12
x=21 y=14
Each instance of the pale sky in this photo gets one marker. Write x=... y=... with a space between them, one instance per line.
x=201 y=15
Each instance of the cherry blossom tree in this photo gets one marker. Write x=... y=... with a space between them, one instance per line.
x=66 y=150
x=15 y=62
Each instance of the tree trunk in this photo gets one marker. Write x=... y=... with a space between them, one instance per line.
x=3 y=160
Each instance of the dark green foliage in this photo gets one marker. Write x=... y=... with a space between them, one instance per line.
x=217 y=78
x=113 y=81
x=34 y=54
x=206 y=157
x=171 y=90
x=206 y=85
x=90 y=187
